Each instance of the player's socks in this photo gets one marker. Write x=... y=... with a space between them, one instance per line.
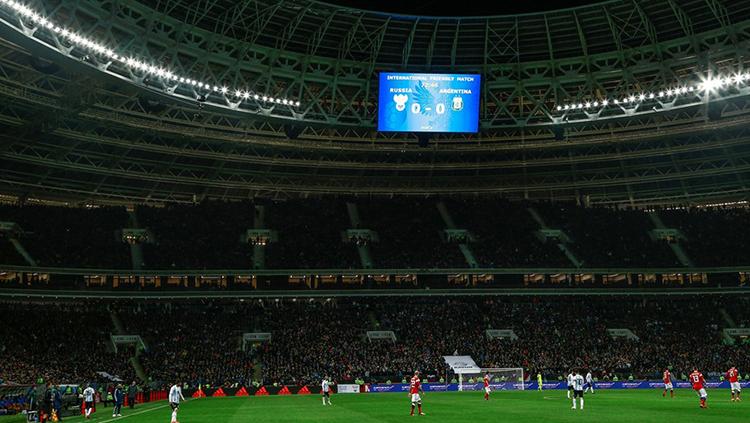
x=486 y=396
x=671 y=393
x=419 y=406
x=412 y=409
x=581 y=403
x=574 y=404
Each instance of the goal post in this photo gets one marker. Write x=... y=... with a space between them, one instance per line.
x=506 y=378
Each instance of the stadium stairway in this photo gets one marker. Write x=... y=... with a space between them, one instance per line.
x=471 y=260
x=257 y=371
x=259 y=252
x=137 y=366
x=134 y=361
x=374 y=323
x=676 y=247
x=727 y=318
x=117 y=323
x=561 y=244
x=365 y=256
x=136 y=252
x=730 y=324
x=22 y=251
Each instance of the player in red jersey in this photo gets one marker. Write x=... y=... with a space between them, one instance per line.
x=734 y=383
x=698 y=382
x=487 y=389
x=668 y=384
x=415 y=393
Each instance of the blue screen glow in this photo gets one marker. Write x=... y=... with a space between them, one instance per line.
x=428 y=102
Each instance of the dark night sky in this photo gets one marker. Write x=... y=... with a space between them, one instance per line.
x=461 y=8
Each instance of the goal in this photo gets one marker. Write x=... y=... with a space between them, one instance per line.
x=505 y=379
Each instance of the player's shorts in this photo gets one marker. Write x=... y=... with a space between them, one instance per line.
x=702 y=392
x=487 y=389
x=570 y=387
x=174 y=405
x=668 y=386
x=327 y=394
x=577 y=394
x=89 y=404
x=735 y=386
x=416 y=398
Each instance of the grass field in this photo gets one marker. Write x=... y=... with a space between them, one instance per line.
x=458 y=407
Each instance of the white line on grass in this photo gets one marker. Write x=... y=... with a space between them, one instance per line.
x=134 y=414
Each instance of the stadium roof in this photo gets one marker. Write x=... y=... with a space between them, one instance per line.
x=323 y=29
x=476 y=8
x=77 y=125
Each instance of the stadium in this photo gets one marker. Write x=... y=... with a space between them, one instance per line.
x=308 y=211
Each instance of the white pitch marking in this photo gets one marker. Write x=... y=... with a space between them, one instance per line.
x=134 y=414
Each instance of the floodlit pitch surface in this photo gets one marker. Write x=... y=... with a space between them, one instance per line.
x=547 y=406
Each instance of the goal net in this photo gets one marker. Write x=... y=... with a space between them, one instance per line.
x=503 y=379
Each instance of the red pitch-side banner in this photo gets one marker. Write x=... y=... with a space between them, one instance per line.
x=261 y=392
x=219 y=393
x=242 y=393
x=199 y=394
x=284 y=391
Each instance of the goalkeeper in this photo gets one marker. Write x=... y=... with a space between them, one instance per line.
x=539 y=381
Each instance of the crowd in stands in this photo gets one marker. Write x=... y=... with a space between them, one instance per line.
x=200 y=343
x=409 y=232
x=69 y=236
x=9 y=253
x=511 y=240
x=61 y=342
x=714 y=236
x=604 y=237
x=311 y=234
x=202 y=236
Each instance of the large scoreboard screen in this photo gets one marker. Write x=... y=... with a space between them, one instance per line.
x=428 y=102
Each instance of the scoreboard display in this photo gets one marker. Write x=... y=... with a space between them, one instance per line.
x=428 y=102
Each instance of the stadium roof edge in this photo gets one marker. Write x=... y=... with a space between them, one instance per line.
x=489 y=16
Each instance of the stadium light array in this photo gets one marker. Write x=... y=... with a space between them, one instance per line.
x=707 y=85
x=134 y=63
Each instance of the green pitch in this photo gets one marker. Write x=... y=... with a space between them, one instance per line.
x=547 y=406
